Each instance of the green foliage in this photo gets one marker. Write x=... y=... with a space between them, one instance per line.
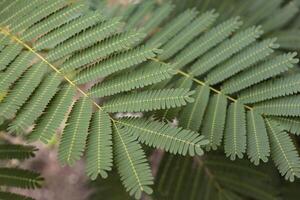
x=172 y=139
x=149 y=100
x=9 y=151
x=244 y=92
x=16 y=177
x=99 y=152
x=62 y=44
x=250 y=81
x=132 y=164
x=214 y=177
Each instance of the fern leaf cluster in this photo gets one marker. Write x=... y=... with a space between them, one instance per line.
x=241 y=85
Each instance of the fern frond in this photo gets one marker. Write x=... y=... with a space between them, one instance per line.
x=116 y=43
x=285 y=106
x=15 y=70
x=73 y=139
x=160 y=135
x=99 y=146
x=213 y=123
x=235 y=131
x=89 y=37
x=20 y=178
x=37 y=103
x=132 y=164
x=225 y=50
x=149 y=100
x=263 y=71
x=173 y=27
x=60 y=35
x=22 y=90
x=283 y=151
x=196 y=27
x=207 y=41
x=11 y=151
x=192 y=115
x=287 y=85
x=258 y=148
x=116 y=63
x=146 y=75
x=241 y=61
x=54 y=115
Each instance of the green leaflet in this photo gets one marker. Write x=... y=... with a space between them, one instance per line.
x=60 y=35
x=9 y=5
x=38 y=14
x=206 y=42
x=260 y=72
x=20 y=178
x=132 y=164
x=99 y=146
x=195 y=28
x=146 y=75
x=171 y=114
x=164 y=136
x=192 y=114
x=287 y=85
x=74 y=135
x=15 y=70
x=214 y=121
x=291 y=125
x=37 y=103
x=54 y=115
x=18 y=10
x=8 y=54
x=235 y=131
x=225 y=50
x=11 y=151
x=283 y=151
x=285 y=106
x=89 y=37
x=149 y=100
x=116 y=63
x=50 y=23
x=173 y=27
x=22 y=90
x=241 y=61
x=95 y=53
x=258 y=148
